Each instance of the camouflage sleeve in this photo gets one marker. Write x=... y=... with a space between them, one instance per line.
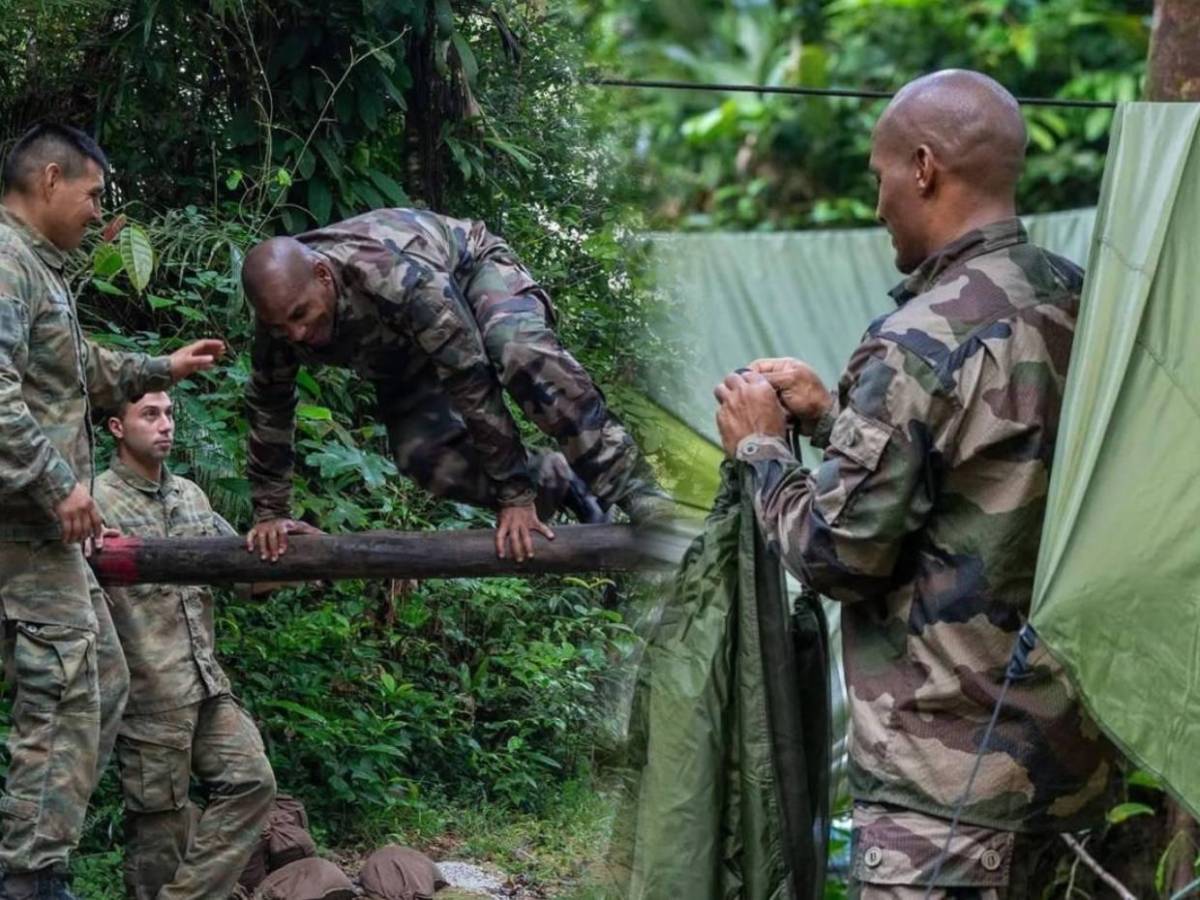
x=28 y=461
x=840 y=528
x=271 y=415
x=222 y=526
x=436 y=316
x=113 y=377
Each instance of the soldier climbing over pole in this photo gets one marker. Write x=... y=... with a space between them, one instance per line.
x=60 y=652
x=439 y=314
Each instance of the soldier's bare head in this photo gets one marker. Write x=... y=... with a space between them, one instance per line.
x=292 y=289
x=947 y=152
x=54 y=177
x=145 y=432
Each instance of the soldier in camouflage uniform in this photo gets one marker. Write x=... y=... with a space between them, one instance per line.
x=181 y=718
x=60 y=653
x=439 y=314
x=926 y=514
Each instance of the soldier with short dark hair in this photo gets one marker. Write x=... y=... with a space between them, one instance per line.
x=181 y=719
x=925 y=516
x=60 y=653
x=440 y=315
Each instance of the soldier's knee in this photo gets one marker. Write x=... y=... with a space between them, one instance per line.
x=257 y=790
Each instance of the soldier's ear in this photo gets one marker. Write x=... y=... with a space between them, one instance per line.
x=116 y=427
x=924 y=169
x=51 y=179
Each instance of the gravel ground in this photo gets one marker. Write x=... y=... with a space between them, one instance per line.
x=471 y=877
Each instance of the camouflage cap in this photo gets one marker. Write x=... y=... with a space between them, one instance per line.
x=400 y=873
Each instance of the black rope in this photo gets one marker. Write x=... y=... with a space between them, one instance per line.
x=820 y=92
x=1018 y=666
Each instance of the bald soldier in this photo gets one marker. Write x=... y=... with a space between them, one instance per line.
x=925 y=516
x=439 y=315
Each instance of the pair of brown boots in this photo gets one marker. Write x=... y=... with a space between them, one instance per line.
x=284 y=866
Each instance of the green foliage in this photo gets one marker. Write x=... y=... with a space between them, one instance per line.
x=227 y=120
x=475 y=689
x=748 y=161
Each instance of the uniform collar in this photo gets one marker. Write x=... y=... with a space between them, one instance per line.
x=993 y=236
x=140 y=482
x=50 y=255
x=341 y=300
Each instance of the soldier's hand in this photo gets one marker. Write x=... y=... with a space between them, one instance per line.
x=78 y=516
x=515 y=526
x=749 y=405
x=269 y=538
x=196 y=357
x=91 y=544
x=800 y=389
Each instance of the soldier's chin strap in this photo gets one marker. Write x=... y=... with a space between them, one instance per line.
x=1018 y=666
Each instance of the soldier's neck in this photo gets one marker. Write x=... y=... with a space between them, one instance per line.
x=967 y=213
x=151 y=471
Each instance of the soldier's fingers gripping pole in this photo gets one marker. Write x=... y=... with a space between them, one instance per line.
x=516 y=524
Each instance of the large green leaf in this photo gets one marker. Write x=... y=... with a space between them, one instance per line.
x=390 y=188
x=137 y=256
x=106 y=261
x=320 y=200
x=466 y=57
x=330 y=155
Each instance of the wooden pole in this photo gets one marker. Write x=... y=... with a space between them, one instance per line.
x=371 y=554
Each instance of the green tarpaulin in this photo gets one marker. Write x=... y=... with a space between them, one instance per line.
x=727 y=796
x=1117 y=597
x=807 y=294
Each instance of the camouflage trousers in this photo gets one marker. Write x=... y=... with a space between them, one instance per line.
x=894 y=852
x=515 y=317
x=64 y=664
x=173 y=849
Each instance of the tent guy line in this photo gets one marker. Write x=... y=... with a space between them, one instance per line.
x=821 y=92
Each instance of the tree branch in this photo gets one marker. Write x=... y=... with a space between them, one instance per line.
x=1122 y=891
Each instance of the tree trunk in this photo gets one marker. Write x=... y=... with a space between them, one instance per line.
x=1173 y=72
x=371 y=554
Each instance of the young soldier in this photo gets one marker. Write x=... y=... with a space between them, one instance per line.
x=440 y=315
x=60 y=655
x=181 y=718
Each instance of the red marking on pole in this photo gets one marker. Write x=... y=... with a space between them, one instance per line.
x=117 y=562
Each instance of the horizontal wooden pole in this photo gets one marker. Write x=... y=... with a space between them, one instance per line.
x=467 y=553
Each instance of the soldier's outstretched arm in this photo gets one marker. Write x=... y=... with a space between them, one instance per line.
x=271 y=415
x=271 y=412
x=114 y=376
x=28 y=461
x=841 y=527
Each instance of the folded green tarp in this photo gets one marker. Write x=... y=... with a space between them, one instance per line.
x=1117 y=596
x=727 y=779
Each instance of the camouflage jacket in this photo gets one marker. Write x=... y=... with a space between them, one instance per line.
x=50 y=375
x=166 y=630
x=924 y=518
x=402 y=278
